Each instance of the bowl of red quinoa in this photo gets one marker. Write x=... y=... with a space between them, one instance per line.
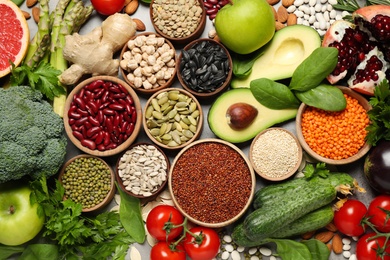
x=335 y=138
x=212 y=182
x=275 y=154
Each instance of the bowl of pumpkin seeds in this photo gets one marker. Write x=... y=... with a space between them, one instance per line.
x=173 y=118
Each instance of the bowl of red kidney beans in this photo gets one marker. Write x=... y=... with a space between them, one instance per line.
x=102 y=116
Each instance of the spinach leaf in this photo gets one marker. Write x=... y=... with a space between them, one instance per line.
x=7 y=251
x=130 y=216
x=324 y=97
x=242 y=64
x=40 y=252
x=314 y=69
x=318 y=250
x=272 y=94
x=291 y=250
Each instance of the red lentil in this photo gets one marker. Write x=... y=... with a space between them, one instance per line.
x=211 y=182
x=335 y=135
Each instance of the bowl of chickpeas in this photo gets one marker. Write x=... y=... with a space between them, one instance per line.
x=335 y=137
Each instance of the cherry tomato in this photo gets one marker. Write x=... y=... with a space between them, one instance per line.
x=348 y=218
x=204 y=246
x=160 y=222
x=163 y=251
x=108 y=7
x=379 y=213
x=372 y=249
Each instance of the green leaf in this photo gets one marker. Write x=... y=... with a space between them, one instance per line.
x=40 y=252
x=7 y=251
x=291 y=250
x=130 y=216
x=318 y=250
x=242 y=64
x=326 y=97
x=314 y=69
x=272 y=94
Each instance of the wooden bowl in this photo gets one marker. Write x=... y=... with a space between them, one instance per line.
x=110 y=193
x=97 y=116
x=133 y=161
x=363 y=150
x=275 y=154
x=183 y=39
x=196 y=45
x=169 y=121
x=126 y=72
x=212 y=182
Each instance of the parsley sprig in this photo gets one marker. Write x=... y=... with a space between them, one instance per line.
x=353 y=5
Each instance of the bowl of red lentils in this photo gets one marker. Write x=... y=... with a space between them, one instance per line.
x=335 y=138
x=211 y=182
x=179 y=21
x=275 y=154
x=102 y=116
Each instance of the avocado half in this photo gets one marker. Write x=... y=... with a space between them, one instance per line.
x=282 y=55
x=218 y=121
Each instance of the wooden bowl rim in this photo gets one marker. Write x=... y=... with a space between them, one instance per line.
x=361 y=153
x=119 y=179
x=218 y=90
x=286 y=176
x=244 y=208
x=143 y=90
x=199 y=127
x=125 y=144
x=110 y=194
x=183 y=40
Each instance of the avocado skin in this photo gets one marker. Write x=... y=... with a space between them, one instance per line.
x=265 y=118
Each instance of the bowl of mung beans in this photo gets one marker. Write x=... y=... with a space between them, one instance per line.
x=179 y=21
x=275 y=154
x=211 y=182
x=142 y=170
x=88 y=180
x=204 y=68
x=148 y=63
x=335 y=138
x=173 y=118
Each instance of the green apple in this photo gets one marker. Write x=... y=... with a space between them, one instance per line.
x=19 y=221
x=244 y=26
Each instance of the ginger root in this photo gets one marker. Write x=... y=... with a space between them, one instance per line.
x=93 y=53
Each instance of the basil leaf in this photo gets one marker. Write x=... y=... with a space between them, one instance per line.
x=272 y=94
x=314 y=69
x=242 y=64
x=7 y=251
x=291 y=250
x=39 y=252
x=318 y=250
x=130 y=216
x=324 y=97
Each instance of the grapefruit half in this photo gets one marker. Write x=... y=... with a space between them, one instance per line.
x=14 y=36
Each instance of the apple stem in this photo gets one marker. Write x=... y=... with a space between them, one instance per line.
x=12 y=209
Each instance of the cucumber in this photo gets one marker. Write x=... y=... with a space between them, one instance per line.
x=312 y=221
x=270 y=195
x=262 y=222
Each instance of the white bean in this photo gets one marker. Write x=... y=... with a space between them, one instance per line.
x=306 y=23
x=317 y=7
x=227 y=238
x=346 y=247
x=254 y=257
x=332 y=2
x=312 y=2
x=329 y=7
x=326 y=16
x=235 y=255
x=299 y=20
x=323 y=8
x=298 y=3
x=252 y=250
x=312 y=10
x=312 y=19
x=265 y=251
x=291 y=8
x=298 y=13
x=332 y=14
x=346 y=241
x=225 y=255
x=346 y=254
x=352 y=257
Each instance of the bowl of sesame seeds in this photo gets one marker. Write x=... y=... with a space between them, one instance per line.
x=211 y=182
x=335 y=137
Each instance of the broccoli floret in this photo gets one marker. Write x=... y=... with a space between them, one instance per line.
x=32 y=138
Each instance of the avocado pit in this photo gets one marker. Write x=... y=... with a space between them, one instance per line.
x=240 y=115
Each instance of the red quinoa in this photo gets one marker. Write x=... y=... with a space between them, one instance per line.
x=211 y=182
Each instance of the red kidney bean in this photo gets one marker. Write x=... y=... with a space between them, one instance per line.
x=87 y=125
x=111 y=146
x=94 y=121
x=71 y=121
x=126 y=117
x=79 y=102
x=92 y=106
x=130 y=129
x=108 y=112
x=74 y=127
x=212 y=16
x=208 y=5
x=104 y=105
x=214 y=2
x=78 y=135
x=107 y=85
x=105 y=96
x=116 y=106
x=99 y=93
x=130 y=100
x=118 y=118
x=94 y=137
x=81 y=93
x=122 y=88
x=124 y=127
x=74 y=115
x=95 y=84
x=88 y=143
x=118 y=95
x=81 y=121
x=134 y=116
x=99 y=137
x=213 y=10
x=83 y=113
x=106 y=139
x=88 y=95
x=101 y=147
x=100 y=117
x=115 y=89
x=108 y=123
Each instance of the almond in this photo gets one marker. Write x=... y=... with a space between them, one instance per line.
x=331 y=227
x=273 y=2
x=26 y=15
x=140 y=26
x=308 y=235
x=291 y=19
x=287 y=3
x=324 y=236
x=279 y=25
x=31 y=3
x=282 y=14
x=127 y=2
x=35 y=13
x=131 y=7
x=330 y=246
x=275 y=13
x=337 y=244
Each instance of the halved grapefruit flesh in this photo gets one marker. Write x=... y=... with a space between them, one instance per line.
x=14 y=36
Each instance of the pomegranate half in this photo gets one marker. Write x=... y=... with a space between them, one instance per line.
x=364 y=48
